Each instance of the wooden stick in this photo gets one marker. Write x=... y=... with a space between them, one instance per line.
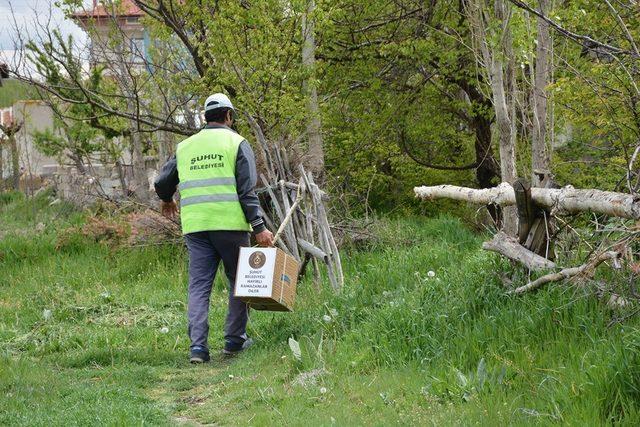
x=274 y=199
x=289 y=229
x=332 y=248
x=323 y=233
x=287 y=218
x=293 y=186
x=299 y=228
x=271 y=226
x=280 y=163
x=586 y=269
x=309 y=225
x=312 y=249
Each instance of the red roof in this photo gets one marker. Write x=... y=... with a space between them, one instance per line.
x=126 y=8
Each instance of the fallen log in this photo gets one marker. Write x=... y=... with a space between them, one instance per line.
x=509 y=247
x=563 y=200
x=567 y=273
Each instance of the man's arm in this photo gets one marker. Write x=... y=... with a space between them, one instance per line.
x=165 y=185
x=246 y=180
x=166 y=182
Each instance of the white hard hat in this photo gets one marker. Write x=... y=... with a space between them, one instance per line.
x=217 y=100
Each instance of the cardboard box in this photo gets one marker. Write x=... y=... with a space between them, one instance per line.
x=266 y=279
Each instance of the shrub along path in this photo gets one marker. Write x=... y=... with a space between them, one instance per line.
x=92 y=333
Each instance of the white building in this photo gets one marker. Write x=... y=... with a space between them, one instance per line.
x=100 y=22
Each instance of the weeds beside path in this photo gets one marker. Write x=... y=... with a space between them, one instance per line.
x=423 y=334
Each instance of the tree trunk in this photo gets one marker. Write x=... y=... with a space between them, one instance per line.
x=487 y=170
x=540 y=155
x=315 y=155
x=76 y=158
x=129 y=86
x=567 y=200
x=504 y=104
x=497 y=59
x=122 y=178
x=141 y=183
x=165 y=147
x=15 y=162
x=165 y=142
x=1 y=164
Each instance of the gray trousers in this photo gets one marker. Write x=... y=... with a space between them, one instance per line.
x=206 y=250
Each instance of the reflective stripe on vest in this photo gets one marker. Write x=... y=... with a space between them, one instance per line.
x=206 y=170
x=208 y=199
x=206 y=183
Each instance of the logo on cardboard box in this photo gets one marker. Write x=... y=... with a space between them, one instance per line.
x=257 y=260
x=255 y=272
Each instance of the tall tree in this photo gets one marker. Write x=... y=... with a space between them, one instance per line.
x=491 y=23
x=315 y=155
x=540 y=148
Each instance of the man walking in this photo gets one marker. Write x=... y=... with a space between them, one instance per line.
x=215 y=172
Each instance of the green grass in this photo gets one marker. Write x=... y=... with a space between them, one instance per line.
x=15 y=90
x=81 y=338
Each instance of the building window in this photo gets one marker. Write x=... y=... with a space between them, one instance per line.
x=132 y=19
x=137 y=48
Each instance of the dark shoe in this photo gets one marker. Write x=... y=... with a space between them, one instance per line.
x=231 y=348
x=199 y=354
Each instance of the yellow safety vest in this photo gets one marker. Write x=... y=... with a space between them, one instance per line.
x=206 y=168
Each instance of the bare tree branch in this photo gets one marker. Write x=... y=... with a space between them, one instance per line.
x=583 y=40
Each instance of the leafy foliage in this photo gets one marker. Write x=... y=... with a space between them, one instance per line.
x=14 y=90
x=404 y=95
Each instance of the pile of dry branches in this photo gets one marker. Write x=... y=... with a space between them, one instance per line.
x=295 y=206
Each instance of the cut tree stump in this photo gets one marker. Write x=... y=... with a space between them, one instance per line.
x=534 y=223
x=526 y=209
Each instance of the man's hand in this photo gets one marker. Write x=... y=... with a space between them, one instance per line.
x=265 y=238
x=169 y=209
